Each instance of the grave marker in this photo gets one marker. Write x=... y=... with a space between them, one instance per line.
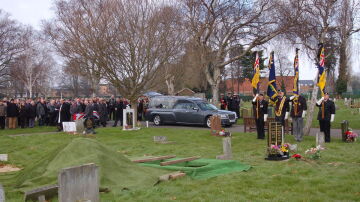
x=226 y=149
x=3 y=157
x=320 y=139
x=215 y=124
x=79 y=126
x=2 y=194
x=79 y=183
x=129 y=119
x=69 y=127
x=275 y=134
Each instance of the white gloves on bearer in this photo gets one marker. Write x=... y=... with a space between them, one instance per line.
x=319 y=101
x=332 y=117
x=286 y=115
x=292 y=97
x=303 y=114
x=254 y=100
x=265 y=117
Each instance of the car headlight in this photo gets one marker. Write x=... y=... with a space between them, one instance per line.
x=224 y=116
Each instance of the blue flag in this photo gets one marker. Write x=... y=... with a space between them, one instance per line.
x=296 y=73
x=271 y=91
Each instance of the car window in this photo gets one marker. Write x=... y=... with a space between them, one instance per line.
x=189 y=105
x=206 y=106
x=179 y=106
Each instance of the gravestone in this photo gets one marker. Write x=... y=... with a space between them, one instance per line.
x=80 y=126
x=2 y=194
x=79 y=183
x=320 y=139
x=344 y=128
x=129 y=119
x=215 y=124
x=3 y=157
x=41 y=193
x=275 y=133
x=226 y=149
x=69 y=127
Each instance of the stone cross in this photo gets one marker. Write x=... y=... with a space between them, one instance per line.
x=79 y=183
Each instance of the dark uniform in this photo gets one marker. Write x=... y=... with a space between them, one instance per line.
x=327 y=108
x=236 y=105
x=223 y=103
x=119 y=108
x=298 y=106
x=281 y=107
x=229 y=102
x=260 y=108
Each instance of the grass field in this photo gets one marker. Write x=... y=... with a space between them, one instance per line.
x=342 y=113
x=335 y=177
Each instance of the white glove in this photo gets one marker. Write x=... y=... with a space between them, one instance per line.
x=292 y=97
x=303 y=114
x=319 y=102
x=255 y=97
x=286 y=115
x=332 y=117
x=265 y=117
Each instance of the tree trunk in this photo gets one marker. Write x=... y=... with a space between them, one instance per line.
x=170 y=85
x=215 y=92
x=311 y=108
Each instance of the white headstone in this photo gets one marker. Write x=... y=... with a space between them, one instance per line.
x=320 y=139
x=126 y=125
x=2 y=194
x=3 y=157
x=79 y=184
x=69 y=127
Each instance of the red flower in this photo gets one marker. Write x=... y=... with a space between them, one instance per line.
x=296 y=156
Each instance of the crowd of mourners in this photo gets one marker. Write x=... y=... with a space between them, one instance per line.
x=25 y=113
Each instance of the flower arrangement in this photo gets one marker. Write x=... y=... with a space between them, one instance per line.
x=279 y=149
x=314 y=153
x=351 y=136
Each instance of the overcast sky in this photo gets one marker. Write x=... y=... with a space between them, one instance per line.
x=33 y=11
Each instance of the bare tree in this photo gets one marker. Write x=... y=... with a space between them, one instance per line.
x=12 y=43
x=219 y=26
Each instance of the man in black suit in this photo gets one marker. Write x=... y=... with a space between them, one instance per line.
x=119 y=108
x=326 y=115
x=260 y=108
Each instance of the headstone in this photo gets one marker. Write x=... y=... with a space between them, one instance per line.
x=2 y=194
x=160 y=139
x=3 y=157
x=344 y=128
x=129 y=119
x=320 y=139
x=226 y=149
x=275 y=133
x=69 y=127
x=79 y=126
x=41 y=193
x=215 y=124
x=79 y=184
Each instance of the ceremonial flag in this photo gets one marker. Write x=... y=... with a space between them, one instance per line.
x=296 y=73
x=271 y=91
x=256 y=78
x=321 y=82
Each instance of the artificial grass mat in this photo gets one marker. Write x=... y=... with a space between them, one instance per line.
x=202 y=168
x=115 y=171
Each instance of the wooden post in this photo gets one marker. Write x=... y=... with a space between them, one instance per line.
x=154 y=159
x=179 y=161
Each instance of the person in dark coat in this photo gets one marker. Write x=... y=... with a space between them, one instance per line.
x=103 y=112
x=63 y=114
x=326 y=115
x=52 y=112
x=281 y=107
x=229 y=100
x=22 y=115
x=111 y=108
x=260 y=109
x=89 y=122
x=2 y=114
x=223 y=103
x=12 y=112
x=140 y=109
x=119 y=108
x=236 y=105
x=41 y=112
x=31 y=114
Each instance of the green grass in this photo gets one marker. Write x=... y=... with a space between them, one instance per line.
x=335 y=177
x=342 y=113
x=36 y=129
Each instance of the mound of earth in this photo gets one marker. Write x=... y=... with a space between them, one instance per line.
x=4 y=168
x=116 y=171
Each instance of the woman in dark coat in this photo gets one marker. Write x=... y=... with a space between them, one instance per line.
x=31 y=114
x=12 y=112
x=22 y=115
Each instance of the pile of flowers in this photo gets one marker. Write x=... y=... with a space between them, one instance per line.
x=224 y=133
x=279 y=149
x=350 y=136
x=314 y=153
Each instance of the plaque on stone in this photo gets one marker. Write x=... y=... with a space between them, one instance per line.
x=275 y=136
x=69 y=127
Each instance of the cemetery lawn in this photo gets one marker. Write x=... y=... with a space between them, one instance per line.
x=342 y=113
x=335 y=177
x=36 y=129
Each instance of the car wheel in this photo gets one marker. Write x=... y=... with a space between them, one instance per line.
x=157 y=120
x=208 y=122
